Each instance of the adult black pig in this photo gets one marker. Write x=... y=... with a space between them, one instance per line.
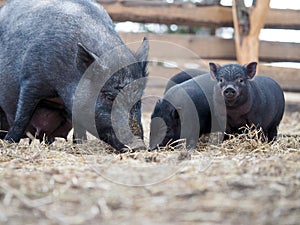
x=184 y=112
x=249 y=100
x=45 y=49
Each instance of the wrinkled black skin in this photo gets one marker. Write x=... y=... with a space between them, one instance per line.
x=40 y=57
x=170 y=115
x=183 y=76
x=257 y=101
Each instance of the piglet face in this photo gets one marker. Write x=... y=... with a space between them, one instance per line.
x=232 y=80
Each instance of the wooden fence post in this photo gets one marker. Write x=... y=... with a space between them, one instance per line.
x=247 y=24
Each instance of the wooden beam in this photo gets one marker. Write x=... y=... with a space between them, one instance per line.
x=279 y=52
x=283 y=19
x=158 y=12
x=288 y=78
x=247 y=25
x=189 y=14
x=170 y=45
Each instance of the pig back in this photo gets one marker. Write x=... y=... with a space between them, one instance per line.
x=39 y=43
x=194 y=94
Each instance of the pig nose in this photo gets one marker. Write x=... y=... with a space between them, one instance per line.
x=230 y=92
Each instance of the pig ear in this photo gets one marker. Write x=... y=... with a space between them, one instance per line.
x=142 y=54
x=250 y=69
x=84 y=58
x=213 y=70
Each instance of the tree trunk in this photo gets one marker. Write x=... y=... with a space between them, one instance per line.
x=247 y=23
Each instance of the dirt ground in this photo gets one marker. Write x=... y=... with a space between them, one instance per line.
x=242 y=181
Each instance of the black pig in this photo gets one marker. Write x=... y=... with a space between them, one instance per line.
x=184 y=112
x=45 y=49
x=249 y=101
x=183 y=76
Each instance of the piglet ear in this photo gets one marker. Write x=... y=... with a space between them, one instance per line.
x=213 y=70
x=250 y=69
x=84 y=58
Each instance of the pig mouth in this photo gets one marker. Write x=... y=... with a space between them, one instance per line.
x=158 y=132
x=230 y=101
x=230 y=98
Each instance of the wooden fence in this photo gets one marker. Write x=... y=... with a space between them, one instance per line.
x=190 y=14
x=208 y=48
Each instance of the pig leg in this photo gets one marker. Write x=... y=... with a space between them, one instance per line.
x=4 y=126
x=29 y=97
x=47 y=140
x=79 y=135
x=272 y=133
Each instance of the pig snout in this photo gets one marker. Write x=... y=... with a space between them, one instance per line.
x=230 y=92
x=158 y=131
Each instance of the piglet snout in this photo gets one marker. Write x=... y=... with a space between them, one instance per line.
x=230 y=92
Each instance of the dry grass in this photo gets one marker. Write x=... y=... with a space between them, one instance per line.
x=241 y=181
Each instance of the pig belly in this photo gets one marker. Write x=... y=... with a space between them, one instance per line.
x=49 y=122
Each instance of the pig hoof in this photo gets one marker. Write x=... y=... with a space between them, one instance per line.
x=48 y=140
x=10 y=139
x=151 y=148
x=135 y=146
x=77 y=141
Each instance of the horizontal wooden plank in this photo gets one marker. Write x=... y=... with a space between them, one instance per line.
x=186 y=14
x=190 y=14
x=283 y=18
x=288 y=78
x=293 y=98
x=195 y=47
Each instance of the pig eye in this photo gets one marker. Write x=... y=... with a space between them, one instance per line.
x=241 y=80
x=108 y=96
x=221 y=79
